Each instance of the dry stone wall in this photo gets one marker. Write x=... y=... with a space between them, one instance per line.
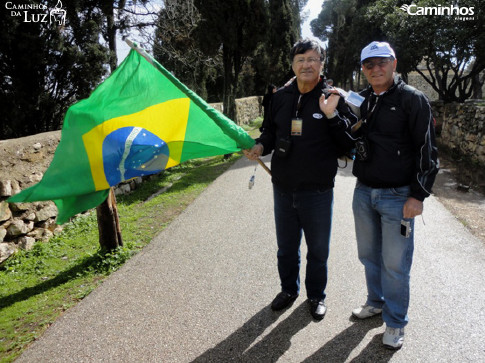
x=248 y=109
x=23 y=162
x=461 y=127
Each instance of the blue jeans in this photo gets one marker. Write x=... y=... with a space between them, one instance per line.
x=299 y=212
x=386 y=255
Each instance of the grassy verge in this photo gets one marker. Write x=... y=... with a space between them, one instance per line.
x=37 y=286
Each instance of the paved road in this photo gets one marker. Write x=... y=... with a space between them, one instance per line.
x=200 y=292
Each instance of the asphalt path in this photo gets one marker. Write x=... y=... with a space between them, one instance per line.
x=201 y=290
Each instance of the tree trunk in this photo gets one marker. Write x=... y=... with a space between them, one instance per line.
x=477 y=86
x=228 y=98
x=109 y=224
x=111 y=29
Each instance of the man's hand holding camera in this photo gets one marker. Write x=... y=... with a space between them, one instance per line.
x=412 y=208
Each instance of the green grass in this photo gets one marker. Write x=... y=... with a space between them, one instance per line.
x=253 y=127
x=37 y=286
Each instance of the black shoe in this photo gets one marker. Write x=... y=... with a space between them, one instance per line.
x=317 y=308
x=282 y=300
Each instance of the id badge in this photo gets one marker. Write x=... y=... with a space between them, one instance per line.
x=296 y=126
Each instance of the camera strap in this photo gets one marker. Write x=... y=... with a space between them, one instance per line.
x=371 y=108
x=371 y=105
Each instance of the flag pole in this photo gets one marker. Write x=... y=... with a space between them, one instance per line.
x=263 y=165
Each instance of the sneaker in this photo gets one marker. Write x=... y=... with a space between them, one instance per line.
x=282 y=300
x=393 y=338
x=366 y=311
x=317 y=309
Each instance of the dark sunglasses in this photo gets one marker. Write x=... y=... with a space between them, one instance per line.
x=381 y=63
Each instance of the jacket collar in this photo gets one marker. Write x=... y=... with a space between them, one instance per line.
x=317 y=91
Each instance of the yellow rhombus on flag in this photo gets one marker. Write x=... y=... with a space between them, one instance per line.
x=139 y=121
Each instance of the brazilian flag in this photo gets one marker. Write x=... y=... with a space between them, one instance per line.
x=139 y=121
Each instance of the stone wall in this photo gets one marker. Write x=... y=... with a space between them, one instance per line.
x=461 y=127
x=248 y=109
x=23 y=162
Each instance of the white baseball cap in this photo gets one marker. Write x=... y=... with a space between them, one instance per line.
x=377 y=49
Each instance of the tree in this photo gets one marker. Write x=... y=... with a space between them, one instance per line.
x=234 y=27
x=270 y=63
x=451 y=50
x=177 y=49
x=342 y=24
x=121 y=16
x=45 y=67
x=284 y=31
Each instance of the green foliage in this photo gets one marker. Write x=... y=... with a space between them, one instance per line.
x=44 y=68
x=446 y=46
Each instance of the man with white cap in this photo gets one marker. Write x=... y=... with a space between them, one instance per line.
x=395 y=166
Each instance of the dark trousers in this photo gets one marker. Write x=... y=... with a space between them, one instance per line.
x=308 y=212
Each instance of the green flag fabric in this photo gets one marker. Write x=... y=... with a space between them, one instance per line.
x=139 y=121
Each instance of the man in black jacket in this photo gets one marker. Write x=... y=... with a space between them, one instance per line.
x=395 y=166
x=306 y=141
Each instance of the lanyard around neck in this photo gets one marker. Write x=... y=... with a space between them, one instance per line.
x=298 y=106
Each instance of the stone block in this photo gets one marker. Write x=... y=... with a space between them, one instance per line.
x=3 y=233
x=26 y=243
x=15 y=187
x=45 y=213
x=18 y=227
x=125 y=188
x=5 y=188
x=5 y=212
x=41 y=234
x=35 y=177
x=6 y=250
x=20 y=207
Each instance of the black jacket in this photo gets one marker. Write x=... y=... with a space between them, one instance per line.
x=312 y=160
x=402 y=141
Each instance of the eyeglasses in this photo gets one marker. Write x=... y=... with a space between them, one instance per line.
x=312 y=60
x=381 y=64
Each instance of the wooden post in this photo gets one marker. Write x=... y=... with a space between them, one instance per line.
x=108 y=223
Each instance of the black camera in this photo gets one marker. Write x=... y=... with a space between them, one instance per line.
x=283 y=147
x=362 y=149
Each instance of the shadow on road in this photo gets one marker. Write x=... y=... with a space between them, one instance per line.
x=339 y=348
x=240 y=346
x=270 y=348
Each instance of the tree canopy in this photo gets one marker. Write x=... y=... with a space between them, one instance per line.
x=45 y=67
x=446 y=50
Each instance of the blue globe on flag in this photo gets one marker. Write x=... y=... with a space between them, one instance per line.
x=133 y=151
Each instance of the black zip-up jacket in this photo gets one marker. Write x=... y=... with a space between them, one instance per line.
x=402 y=141
x=312 y=160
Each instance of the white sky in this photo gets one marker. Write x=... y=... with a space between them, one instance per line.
x=312 y=9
